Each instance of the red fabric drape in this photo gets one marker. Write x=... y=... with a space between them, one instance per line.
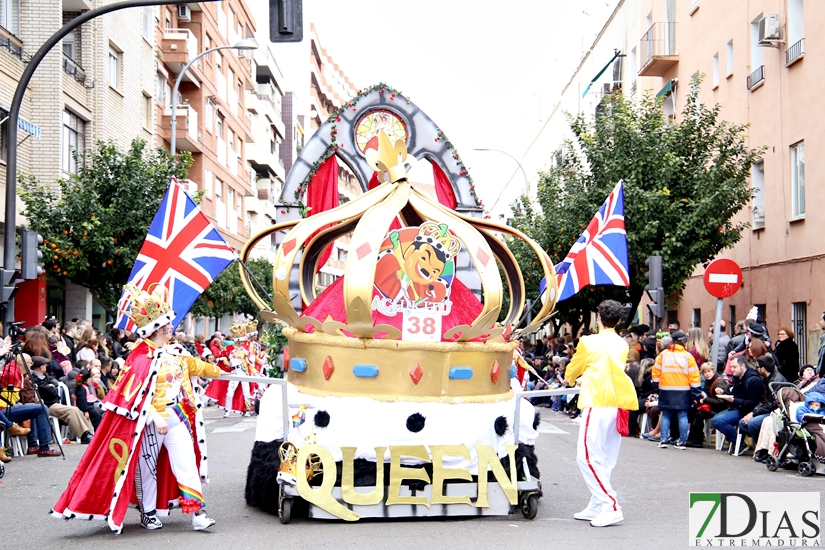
x=443 y=187
x=322 y=195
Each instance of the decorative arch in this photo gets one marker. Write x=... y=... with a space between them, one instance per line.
x=337 y=136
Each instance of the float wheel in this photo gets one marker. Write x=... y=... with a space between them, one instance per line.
x=529 y=505
x=285 y=513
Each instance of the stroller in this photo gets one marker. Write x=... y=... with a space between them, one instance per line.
x=793 y=439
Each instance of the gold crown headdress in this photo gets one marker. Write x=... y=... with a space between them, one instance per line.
x=149 y=309
x=251 y=326
x=438 y=235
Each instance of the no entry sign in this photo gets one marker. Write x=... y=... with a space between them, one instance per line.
x=723 y=277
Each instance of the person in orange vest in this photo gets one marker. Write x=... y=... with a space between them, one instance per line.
x=607 y=396
x=677 y=374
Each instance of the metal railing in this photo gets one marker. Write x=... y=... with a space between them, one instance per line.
x=71 y=68
x=659 y=40
x=266 y=380
x=530 y=395
x=13 y=45
x=756 y=78
x=796 y=51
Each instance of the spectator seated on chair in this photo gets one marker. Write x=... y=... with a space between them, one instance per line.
x=15 y=410
x=709 y=404
x=47 y=387
x=86 y=399
x=751 y=423
x=747 y=392
x=13 y=429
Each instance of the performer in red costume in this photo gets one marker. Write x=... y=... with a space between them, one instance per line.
x=150 y=448
x=234 y=359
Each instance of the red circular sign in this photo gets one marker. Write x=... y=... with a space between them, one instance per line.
x=723 y=277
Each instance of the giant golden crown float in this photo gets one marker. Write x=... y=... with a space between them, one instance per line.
x=399 y=361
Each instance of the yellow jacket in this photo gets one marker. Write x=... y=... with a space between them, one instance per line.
x=600 y=360
x=178 y=368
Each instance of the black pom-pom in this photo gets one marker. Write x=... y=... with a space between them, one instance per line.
x=415 y=422
x=500 y=425
x=536 y=420
x=322 y=419
x=90 y=517
x=201 y=441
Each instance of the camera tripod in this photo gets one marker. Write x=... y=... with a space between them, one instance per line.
x=16 y=354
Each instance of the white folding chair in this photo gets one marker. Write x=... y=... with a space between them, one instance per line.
x=65 y=399
x=644 y=423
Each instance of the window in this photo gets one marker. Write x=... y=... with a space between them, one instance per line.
x=73 y=140
x=147 y=111
x=230 y=138
x=799 y=318
x=634 y=70
x=230 y=198
x=715 y=70
x=697 y=318
x=160 y=84
x=796 y=21
x=757 y=72
x=148 y=22
x=207 y=44
x=729 y=59
x=114 y=68
x=10 y=16
x=168 y=18
x=760 y=313
x=219 y=130
x=69 y=45
x=732 y=317
x=798 y=180
x=209 y=123
x=218 y=189
x=758 y=186
x=672 y=316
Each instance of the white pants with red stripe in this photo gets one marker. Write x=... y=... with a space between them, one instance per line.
x=597 y=453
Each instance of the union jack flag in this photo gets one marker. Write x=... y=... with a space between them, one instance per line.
x=183 y=251
x=599 y=256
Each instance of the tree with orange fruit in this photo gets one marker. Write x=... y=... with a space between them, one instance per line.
x=94 y=222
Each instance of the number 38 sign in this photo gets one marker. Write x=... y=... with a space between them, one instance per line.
x=421 y=326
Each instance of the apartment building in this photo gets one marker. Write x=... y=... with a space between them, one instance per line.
x=762 y=59
x=78 y=95
x=761 y=66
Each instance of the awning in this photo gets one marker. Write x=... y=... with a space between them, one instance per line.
x=666 y=90
x=616 y=54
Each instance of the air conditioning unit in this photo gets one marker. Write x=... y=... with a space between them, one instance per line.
x=769 y=29
x=184 y=13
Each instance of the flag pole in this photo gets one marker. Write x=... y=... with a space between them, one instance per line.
x=254 y=278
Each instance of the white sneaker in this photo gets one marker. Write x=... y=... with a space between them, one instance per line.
x=607 y=518
x=588 y=514
x=226 y=414
x=150 y=522
x=202 y=521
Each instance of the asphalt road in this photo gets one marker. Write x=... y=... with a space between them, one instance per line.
x=653 y=486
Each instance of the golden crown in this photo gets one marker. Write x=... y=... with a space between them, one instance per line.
x=472 y=361
x=237 y=330
x=147 y=307
x=251 y=326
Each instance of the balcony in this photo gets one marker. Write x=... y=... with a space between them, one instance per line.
x=756 y=78
x=178 y=47
x=71 y=68
x=186 y=138
x=13 y=45
x=795 y=53
x=658 y=50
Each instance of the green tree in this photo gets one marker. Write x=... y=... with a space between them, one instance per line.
x=684 y=182
x=226 y=295
x=94 y=223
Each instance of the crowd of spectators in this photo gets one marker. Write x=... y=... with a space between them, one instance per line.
x=681 y=385
x=65 y=373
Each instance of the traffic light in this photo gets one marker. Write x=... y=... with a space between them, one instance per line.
x=286 y=21
x=31 y=265
x=654 y=287
x=10 y=279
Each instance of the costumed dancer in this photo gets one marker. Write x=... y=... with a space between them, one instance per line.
x=150 y=449
x=234 y=360
x=607 y=395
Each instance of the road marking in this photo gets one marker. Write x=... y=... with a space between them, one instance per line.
x=723 y=278
x=230 y=429
x=547 y=428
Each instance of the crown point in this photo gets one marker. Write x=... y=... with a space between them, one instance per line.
x=496 y=372
x=416 y=373
x=286 y=358
x=328 y=367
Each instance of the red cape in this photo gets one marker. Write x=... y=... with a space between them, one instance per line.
x=217 y=388
x=103 y=485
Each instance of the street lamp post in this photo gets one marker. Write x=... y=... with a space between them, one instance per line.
x=9 y=245
x=526 y=181
x=245 y=44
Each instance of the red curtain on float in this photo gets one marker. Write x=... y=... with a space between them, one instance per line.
x=443 y=187
x=322 y=195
